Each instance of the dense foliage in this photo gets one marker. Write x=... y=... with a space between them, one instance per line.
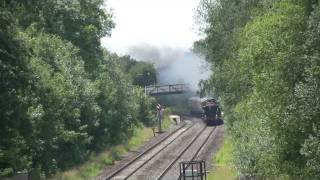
x=139 y=72
x=61 y=95
x=265 y=59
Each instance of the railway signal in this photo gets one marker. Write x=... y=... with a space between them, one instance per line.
x=160 y=111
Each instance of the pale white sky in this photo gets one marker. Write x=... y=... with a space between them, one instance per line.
x=161 y=32
x=160 y=23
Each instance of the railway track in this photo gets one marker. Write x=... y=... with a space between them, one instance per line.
x=152 y=169
x=190 y=152
x=134 y=165
x=161 y=161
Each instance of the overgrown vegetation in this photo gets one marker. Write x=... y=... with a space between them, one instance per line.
x=62 y=96
x=96 y=163
x=223 y=162
x=167 y=122
x=265 y=59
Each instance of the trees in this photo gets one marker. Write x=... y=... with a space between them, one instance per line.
x=57 y=136
x=143 y=74
x=81 y=22
x=14 y=75
x=62 y=96
x=266 y=75
x=272 y=68
x=307 y=93
x=139 y=72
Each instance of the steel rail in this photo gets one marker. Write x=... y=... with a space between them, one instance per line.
x=181 y=153
x=201 y=147
x=146 y=151
x=157 y=153
x=143 y=153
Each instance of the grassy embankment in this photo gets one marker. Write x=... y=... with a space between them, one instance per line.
x=223 y=169
x=97 y=162
x=166 y=120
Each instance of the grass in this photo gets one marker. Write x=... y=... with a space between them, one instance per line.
x=167 y=122
x=97 y=162
x=223 y=168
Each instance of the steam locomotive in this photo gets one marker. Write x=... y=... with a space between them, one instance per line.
x=208 y=108
x=212 y=112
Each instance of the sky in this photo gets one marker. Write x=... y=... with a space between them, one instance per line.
x=159 y=23
x=161 y=32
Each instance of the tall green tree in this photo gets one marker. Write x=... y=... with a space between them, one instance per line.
x=265 y=62
x=143 y=74
x=62 y=96
x=81 y=22
x=14 y=76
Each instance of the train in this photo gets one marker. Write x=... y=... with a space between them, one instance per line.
x=208 y=108
x=212 y=111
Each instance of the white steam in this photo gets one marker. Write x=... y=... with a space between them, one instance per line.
x=173 y=65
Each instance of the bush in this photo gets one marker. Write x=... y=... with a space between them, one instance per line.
x=265 y=62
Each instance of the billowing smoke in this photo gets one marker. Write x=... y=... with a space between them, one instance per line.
x=173 y=65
